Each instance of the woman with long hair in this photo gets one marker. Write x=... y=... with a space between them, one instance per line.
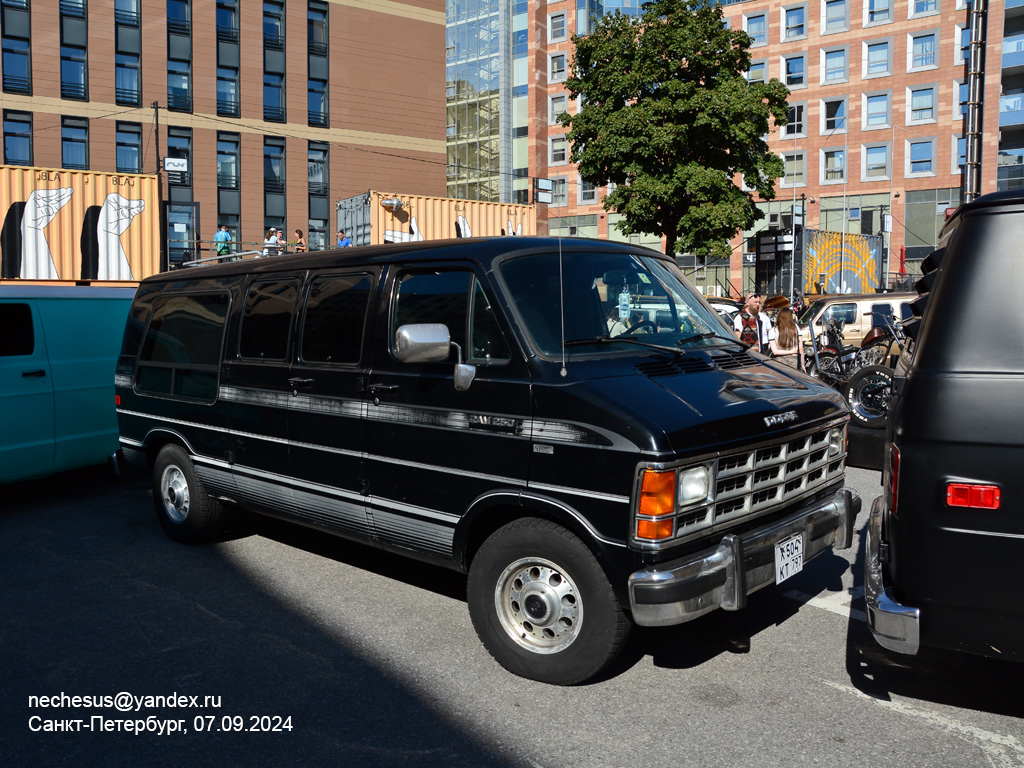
x=788 y=345
x=300 y=242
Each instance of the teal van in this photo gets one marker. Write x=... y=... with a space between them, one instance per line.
x=58 y=348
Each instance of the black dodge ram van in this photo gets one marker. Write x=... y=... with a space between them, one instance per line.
x=946 y=537
x=467 y=403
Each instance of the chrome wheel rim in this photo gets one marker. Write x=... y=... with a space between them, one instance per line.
x=872 y=397
x=174 y=494
x=538 y=605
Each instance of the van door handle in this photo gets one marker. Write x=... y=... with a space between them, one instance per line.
x=300 y=382
x=380 y=389
x=36 y=374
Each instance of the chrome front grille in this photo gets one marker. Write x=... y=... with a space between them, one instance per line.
x=754 y=482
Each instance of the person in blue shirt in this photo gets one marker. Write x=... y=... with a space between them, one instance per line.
x=343 y=242
x=221 y=240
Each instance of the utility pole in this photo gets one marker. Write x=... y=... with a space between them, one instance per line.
x=974 y=66
x=160 y=188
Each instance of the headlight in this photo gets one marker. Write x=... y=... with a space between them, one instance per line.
x=835 y=441
x=694 y=485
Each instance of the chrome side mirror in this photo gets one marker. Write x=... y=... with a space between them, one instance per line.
x=423 y=343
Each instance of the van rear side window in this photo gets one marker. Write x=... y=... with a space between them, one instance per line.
x=180 y=356
x=332 y=329
x=267 y=320
x=17 y=337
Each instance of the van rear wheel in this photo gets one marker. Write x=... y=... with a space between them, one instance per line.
x=186 y=511
x=542 y=605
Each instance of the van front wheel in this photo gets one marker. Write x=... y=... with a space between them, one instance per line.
x=542 y=605
x=185 y=509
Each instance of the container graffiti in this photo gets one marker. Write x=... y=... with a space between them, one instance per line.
x=78 y=225
x=857 y=269
x=374 y=218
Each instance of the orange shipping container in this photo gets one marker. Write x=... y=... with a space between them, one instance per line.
x=78 y=225
x=378 y=217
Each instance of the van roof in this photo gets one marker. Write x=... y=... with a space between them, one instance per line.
x=482 y=250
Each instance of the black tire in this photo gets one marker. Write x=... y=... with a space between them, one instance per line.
x=542 y=605
x=185 y=509
x=868 y=394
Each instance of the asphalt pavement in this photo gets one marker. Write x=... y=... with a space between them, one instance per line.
x=303 y=649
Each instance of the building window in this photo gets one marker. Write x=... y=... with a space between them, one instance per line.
x=879 y=10
x=921 y=7
x=921 y=157
x=795 y=68
x=179 y=146
x=74 y=143
x=227 y=160
x=227 y=21
x=17 y=72
x=178 y=17
x=556 y=27
x=794 y=24
x=757 y=28
x=876 y=114
x=963 y=95
x=559 y=150
x=835 y=65
x=273 y=165
x=127 y=90
x=227 y=92
x=758 y=72
x=876 y=162
x=959 y=153
x=74 y=78
x=179 y=85
x=795 y=120
x=273 y=97
x=923 y=51
x=559 y=191
x=836 y=16
x=318 y=158
x=588 y=193
x=795 y=164
x=129 y=148
x=273 y=26
x=557 y=68
x=558 y=106
x=126 y=12
x=316 y=29
x=319 y=116
x=878 y=59
x=834 y=165
x=835 y=115
x=964 y=51
x=922 y=105
x=17 y=138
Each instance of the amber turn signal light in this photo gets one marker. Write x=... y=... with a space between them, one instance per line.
x=658 y=493
x=653 y=530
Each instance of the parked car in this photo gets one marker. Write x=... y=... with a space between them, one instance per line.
x=859 y=313
x=58 y=347
x=461 y=402
x=726 y=307
x=945 y=539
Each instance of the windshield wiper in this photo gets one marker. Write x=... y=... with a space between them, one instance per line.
x=625 y=339
x=712 y=335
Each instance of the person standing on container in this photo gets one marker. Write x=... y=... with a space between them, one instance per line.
x=343 y=241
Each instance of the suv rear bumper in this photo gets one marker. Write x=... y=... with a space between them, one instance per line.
x=722 y=577
x=895 y=626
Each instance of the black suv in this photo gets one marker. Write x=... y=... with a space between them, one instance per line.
x=944 y=538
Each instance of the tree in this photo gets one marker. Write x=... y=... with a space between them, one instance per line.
x=669 y=117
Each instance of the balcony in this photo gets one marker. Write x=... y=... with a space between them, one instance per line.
x=273 y=42
x=128 y=97
x=77 y=91
x=126 y=18
x=318 y=119
x=227 y=108
x=273 y=114
x=1011 y=111
x=179 y=102
x=227 y=181
x=318 y=49
x=179 y=178
x=16 y=84
x=273 y=185
x=319 y=188
x=72 y=8
x=227 y=34
x=179 y=27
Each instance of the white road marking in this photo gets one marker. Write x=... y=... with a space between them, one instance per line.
x=836 y=602
x=1002 y=751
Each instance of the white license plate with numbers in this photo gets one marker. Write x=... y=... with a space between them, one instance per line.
x=789 y=558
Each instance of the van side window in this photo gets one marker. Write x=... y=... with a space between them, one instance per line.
x=434 y=297
x=180 y=356
x=332 y=328
x=17 y=336
x=487 y=342
x=267 y=319
x=846 y=313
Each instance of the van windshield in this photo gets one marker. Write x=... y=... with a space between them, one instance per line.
x=585 y=300
x=810 y=312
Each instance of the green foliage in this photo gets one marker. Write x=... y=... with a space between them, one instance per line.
x=668 y=116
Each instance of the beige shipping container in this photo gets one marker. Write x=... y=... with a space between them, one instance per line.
x=375 y=218
x=78 y=225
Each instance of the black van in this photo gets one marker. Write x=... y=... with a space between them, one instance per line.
x=466 y=402
x=946 y=537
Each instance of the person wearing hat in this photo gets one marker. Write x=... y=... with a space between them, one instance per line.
x=270 y=247
x=753 y=326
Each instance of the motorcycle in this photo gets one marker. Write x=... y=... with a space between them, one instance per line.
x=828 y=357
x=870 y=387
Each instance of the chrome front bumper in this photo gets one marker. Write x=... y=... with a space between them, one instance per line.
x=895 y=626
x=722 y=577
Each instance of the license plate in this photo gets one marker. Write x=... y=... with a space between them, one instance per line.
x=789 y=558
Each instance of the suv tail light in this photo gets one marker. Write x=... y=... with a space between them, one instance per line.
x=892 y=478
x=972 y=495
